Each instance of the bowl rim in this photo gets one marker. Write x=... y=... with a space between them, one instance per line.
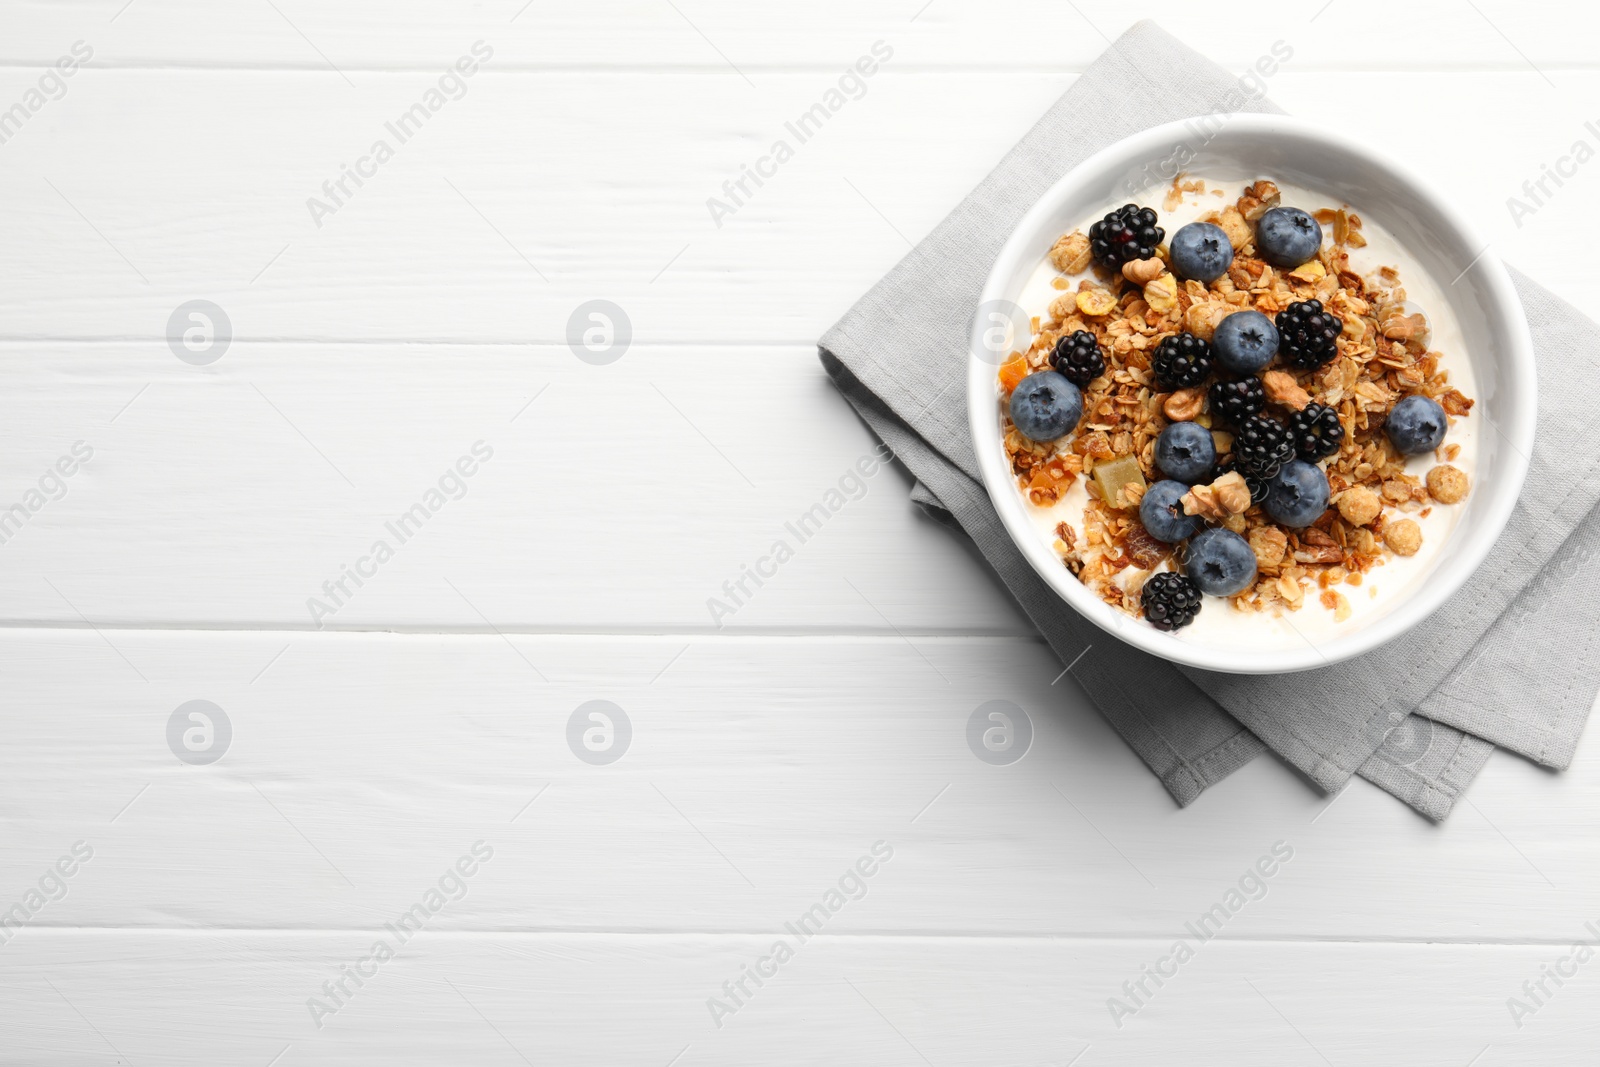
x=1469 y=548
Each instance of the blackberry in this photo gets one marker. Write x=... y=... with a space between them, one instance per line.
x=1316 y=431
x=1182 y=361
x=1257 y=486
x=1126 y=234
x=1307 y=335
x=1262 y=446
x=1238 y=399
x=1171 y=600
x=1078 y=358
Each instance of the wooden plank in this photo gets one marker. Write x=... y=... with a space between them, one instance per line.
x=731 y=38
x=627 y=496
x=756 y=771
x=241 y=997
x=468 y=234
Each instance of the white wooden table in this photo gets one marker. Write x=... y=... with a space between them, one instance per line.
x=380 y=339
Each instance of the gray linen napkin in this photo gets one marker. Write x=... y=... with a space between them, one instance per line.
x=1505 y=662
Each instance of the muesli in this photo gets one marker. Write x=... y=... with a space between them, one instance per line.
x=1251 y=417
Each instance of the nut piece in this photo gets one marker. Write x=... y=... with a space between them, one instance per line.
x=1139 y=271
x=1185 y=404
x=1319 y=554
x=1221 y=500
x=1283 y=389
x=1232 y=493
x=1258 y=199
x=1270 y=544
x=1096 y=302
x=1404 y=537
x=1359 y=505
x=1071 y=254
x=1162 y=293
x=1447 y=484
x=1202 y=500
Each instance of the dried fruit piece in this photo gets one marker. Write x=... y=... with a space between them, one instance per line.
x=1111 y=477
x=1096 y=302
x=1144 y=550
x=1162 y=293
x=1455 y=402
x=1012 y=371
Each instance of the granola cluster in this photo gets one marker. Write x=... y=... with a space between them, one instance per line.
x=1383 y=355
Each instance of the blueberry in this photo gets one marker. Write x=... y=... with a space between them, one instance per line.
x=1245 y=342
x=1046 y=406
x=1288 y=237
x=1161 y=511
x=1185 y=452
x=1201 y=251
x=1416 y=425
x=1221 y=562
x=1298 y=496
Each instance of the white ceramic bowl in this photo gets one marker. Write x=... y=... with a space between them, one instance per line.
x=1435 y=235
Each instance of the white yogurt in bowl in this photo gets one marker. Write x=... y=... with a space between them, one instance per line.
x=1475 y=324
